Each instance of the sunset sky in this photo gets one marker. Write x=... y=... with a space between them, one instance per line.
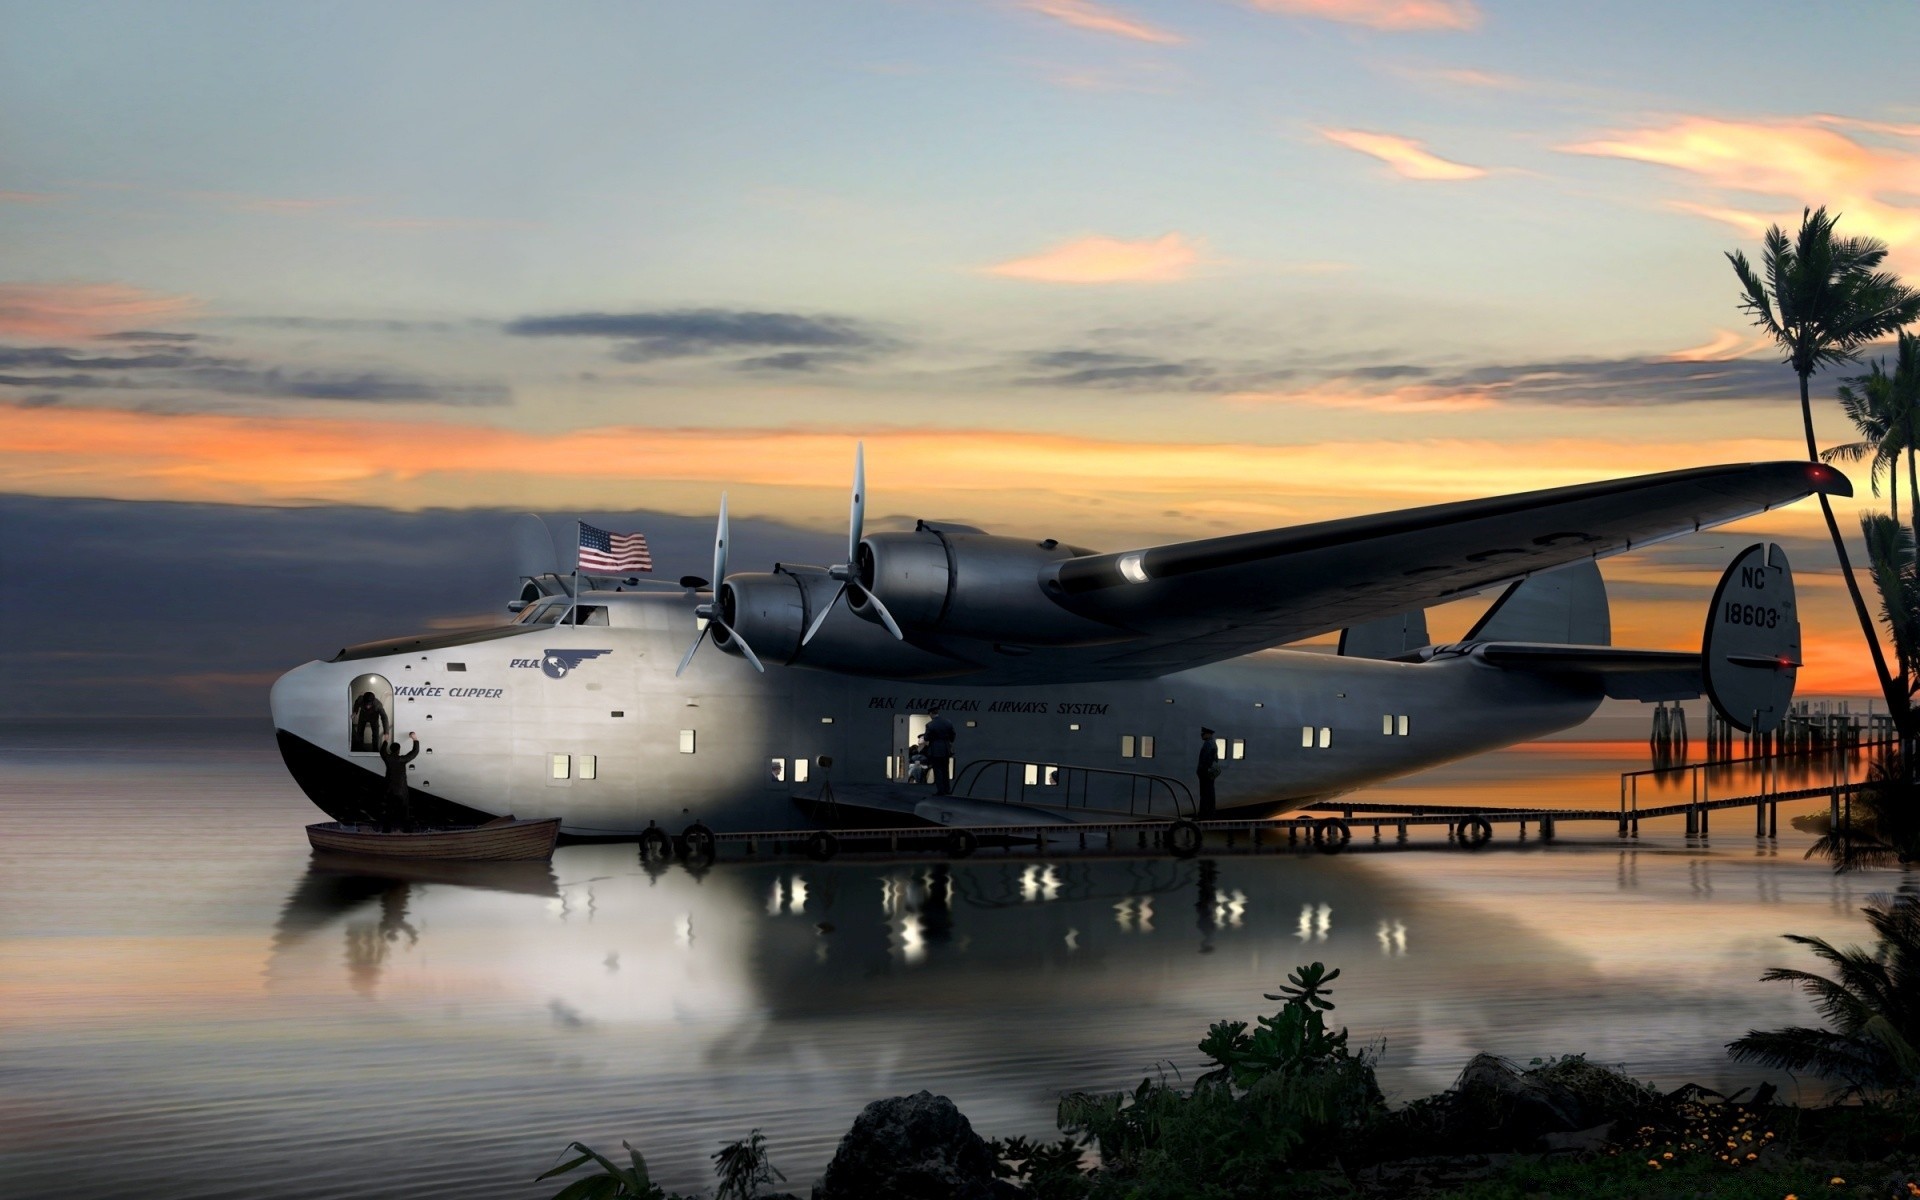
x=1116 y=273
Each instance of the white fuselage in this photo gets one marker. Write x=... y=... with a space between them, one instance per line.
x=618 y=742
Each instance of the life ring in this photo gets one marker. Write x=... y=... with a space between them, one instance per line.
x=1183 y=838
x=697 y=844
x=961 y=843
x=1332 y=833
x=655 y=845
x=1475 y=832
x=822 y=845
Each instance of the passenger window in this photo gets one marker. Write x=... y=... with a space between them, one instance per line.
x=1050 y=776
x=369 y=714
x=777 y=770
x=1220 y=747
x=1403 y=727
x=799 y=770
x=1146 y=747
x=1306 y=737
x=589 y=767
x=686 y=741
x=1033 y=774
x=559 y=766
x=1326 y=737
x=1386 y=725
x=1126 y=745
x=1239 y=748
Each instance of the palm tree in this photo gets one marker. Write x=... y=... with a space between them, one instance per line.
x=1869 y=402
x=1872 y=1007
x=1906 y=403
x=1822 y=298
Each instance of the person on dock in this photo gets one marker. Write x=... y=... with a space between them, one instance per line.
x=1206 y=771
x=398 y=809
x=940 y=736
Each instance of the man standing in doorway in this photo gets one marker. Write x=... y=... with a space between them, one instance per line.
x=399 y=806
x=1207 y=770
x=939 y=736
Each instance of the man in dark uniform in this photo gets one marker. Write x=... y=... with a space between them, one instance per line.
x=399 y=806
x=1207 y=770
x=940 y=752
x=369 y=723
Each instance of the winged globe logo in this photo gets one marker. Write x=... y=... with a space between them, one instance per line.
x=555 y=664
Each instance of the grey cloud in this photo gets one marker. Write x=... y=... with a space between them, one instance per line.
x=797 y=360
x=1626 y=381
x=150 y=369
x=355 y=324
x=680 y=333
x=148 y=335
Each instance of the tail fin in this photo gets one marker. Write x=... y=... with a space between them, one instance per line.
x=1388 y=637
x=1568 y=606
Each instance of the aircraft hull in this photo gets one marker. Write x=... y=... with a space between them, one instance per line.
x=590 y=725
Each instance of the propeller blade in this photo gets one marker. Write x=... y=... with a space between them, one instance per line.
x=886 y=618
x=534 y=553
x=744 y=648
x=720 y=547
x=822 y=618
x=857 y=516
x=691 y=650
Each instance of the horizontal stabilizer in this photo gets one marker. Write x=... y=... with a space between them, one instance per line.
x=1566 y=605
x=1622 y=674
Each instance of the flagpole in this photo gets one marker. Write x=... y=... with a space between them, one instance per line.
x=577 y=523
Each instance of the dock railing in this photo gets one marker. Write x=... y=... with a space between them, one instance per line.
x=1063 y=785
x=1833 y=766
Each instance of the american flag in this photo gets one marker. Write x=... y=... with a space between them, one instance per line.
x=604 y=553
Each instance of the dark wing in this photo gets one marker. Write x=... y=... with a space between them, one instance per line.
x=1200 y=602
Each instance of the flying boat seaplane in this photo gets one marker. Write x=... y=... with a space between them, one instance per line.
x=1077 y=681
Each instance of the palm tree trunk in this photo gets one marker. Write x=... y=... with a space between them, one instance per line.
x=1913 y=481
x=1897 y=705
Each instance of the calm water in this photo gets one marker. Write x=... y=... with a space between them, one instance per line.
x=190 y=1006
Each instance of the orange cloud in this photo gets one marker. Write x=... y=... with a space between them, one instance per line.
x=1097 y=18
x=71 y=310
x=1723 y=347
x=799 y=474
x=1802 y=162
x=1098 y=259
x=25 y=197
x=1414 y=398
x=1396 y=16
x=1406 y=156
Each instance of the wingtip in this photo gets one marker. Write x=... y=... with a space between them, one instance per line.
x=1827 y=480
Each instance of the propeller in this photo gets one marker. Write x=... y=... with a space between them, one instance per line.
x=715 y=614
x=848 y=573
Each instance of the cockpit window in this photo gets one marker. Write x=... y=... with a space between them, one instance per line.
x=589 y=614
x=546 y=614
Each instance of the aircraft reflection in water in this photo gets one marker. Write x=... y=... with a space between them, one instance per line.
x=1080 y=681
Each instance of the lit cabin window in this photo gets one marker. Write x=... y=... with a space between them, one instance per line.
x=1326 y=737
x=1126 y=745
x=1050 y=776
x=589 y=767
x=1033 y=774
x=776 y=770
x=826 y=720
x=799 y=770
x=1403 y=727
x=1073 y=729
x=1239 y=748
x=1146 y=746
x=1306 y=736
x=561 y=766
x=1220 y=747
x=1386 y=725
x=686 y=741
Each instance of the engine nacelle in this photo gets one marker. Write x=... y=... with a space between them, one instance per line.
x=772 y=610
x=965 y=583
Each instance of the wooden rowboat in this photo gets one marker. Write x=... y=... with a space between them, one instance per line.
x=501 y=838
